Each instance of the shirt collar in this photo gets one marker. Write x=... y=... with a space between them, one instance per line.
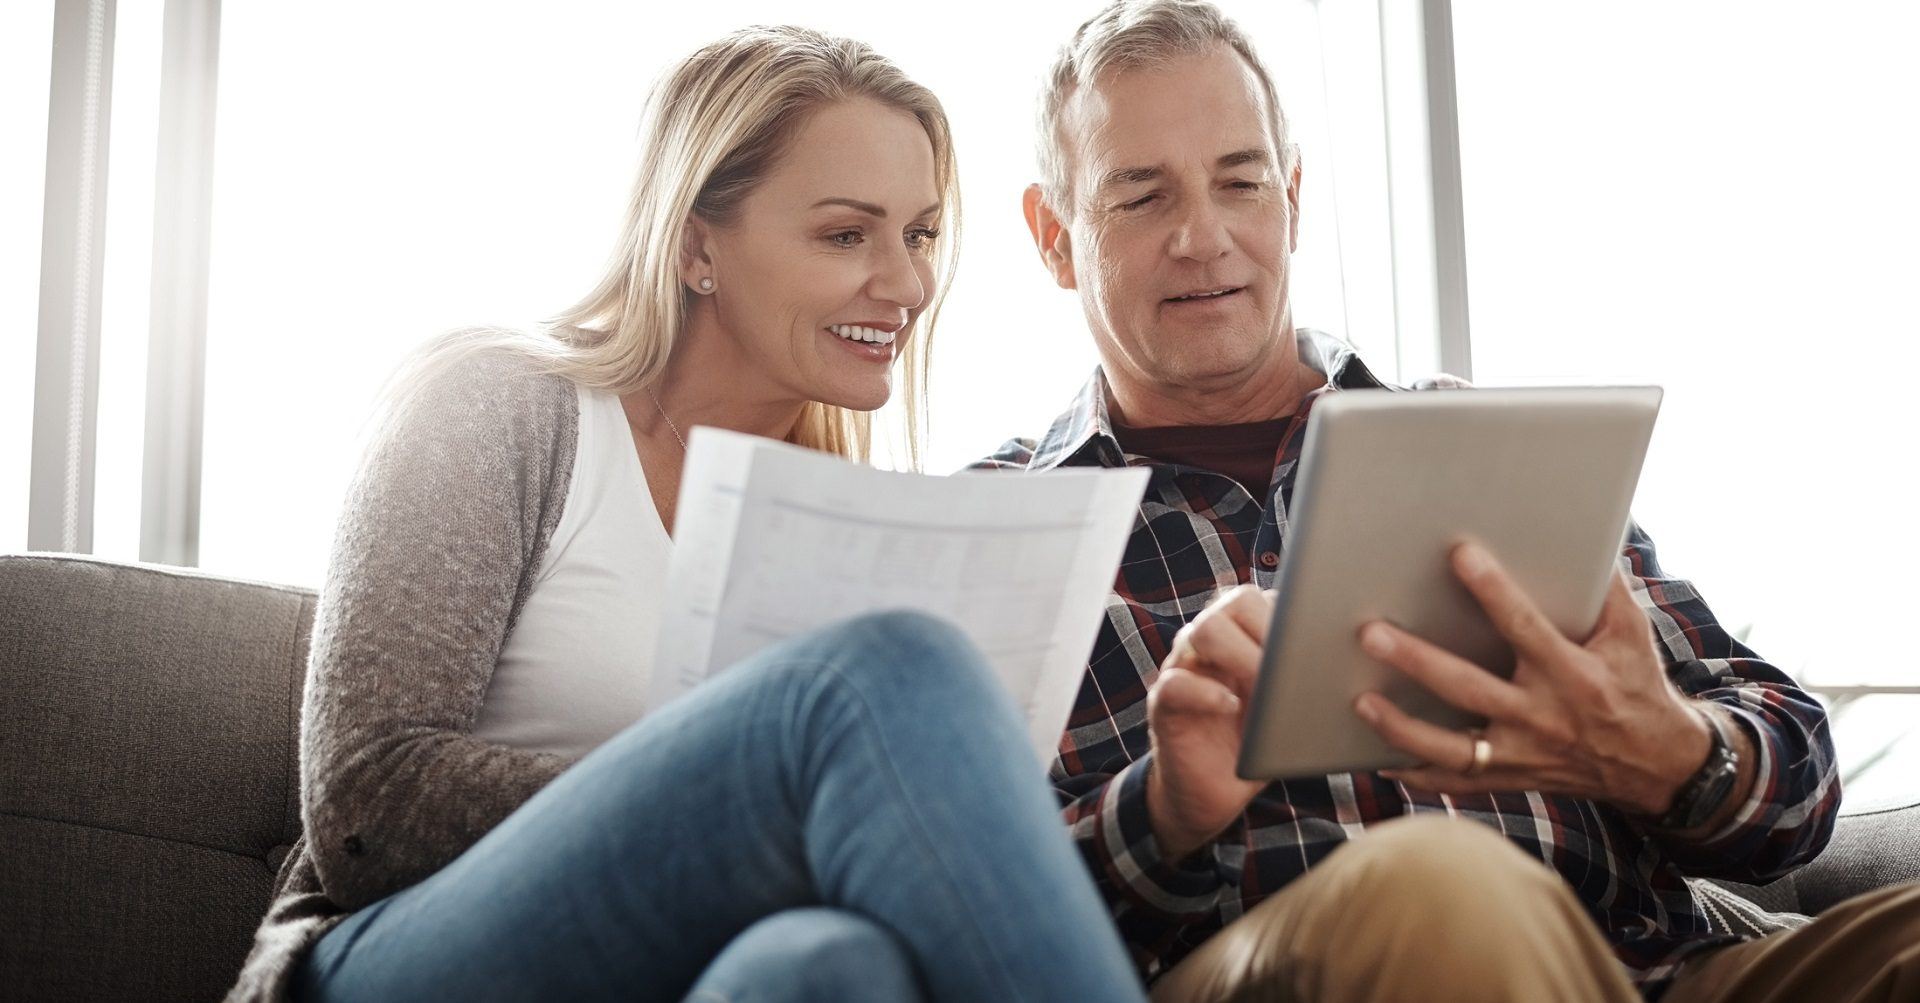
x=1083 y=434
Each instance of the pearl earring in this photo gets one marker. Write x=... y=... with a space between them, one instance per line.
x=706 y=285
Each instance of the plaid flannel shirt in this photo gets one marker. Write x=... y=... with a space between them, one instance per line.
x=1200 y=532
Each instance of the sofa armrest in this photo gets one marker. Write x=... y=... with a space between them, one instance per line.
x=1871 y=848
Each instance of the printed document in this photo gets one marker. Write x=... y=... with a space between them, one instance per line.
x=772 y=541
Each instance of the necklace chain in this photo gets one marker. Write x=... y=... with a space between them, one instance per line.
x=675 y=429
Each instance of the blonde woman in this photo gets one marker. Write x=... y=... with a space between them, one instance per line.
x=852 y=816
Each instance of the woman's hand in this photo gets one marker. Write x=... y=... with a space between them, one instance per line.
x=1597 y=720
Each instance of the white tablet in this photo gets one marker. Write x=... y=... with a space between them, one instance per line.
x=1389 y=483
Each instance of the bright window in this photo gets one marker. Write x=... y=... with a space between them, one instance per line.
x=126 y=282
x=1722 y=202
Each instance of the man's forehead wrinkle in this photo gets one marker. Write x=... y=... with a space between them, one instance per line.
x=1126 y=170
x=1095 y=132
x=1246 y=155
x=1121 y=176
x=1109 y=141
x=1091 y=112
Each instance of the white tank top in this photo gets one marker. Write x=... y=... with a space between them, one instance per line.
x=572 y=673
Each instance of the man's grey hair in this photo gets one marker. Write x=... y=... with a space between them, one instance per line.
x=1135 y=33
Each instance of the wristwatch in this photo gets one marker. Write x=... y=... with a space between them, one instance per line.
x=1708 y=789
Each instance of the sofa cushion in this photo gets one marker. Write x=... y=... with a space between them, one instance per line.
x=1871 y=847
x=152 y=701
x=148 y=773
x=96 y=914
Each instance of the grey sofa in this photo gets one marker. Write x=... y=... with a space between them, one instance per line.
x=148 y=792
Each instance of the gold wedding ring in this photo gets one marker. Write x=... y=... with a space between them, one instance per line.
x=1482 y=753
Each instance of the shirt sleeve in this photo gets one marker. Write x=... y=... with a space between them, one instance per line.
x=1789 y=814
x=428 y=570
x=1152 y=899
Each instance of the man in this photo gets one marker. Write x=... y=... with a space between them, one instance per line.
x=1657 y=749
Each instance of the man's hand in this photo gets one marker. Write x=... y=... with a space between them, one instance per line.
x=1196 y=712
x=1597 y=720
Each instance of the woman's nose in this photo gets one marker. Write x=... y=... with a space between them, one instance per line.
x=897 y=281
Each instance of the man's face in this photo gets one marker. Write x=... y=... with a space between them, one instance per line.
x=1182 y=223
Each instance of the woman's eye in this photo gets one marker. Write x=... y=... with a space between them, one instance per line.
x=921 y=237
x=846 y=238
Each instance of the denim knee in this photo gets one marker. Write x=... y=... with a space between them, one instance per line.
x=810 y=955
x=885 y=641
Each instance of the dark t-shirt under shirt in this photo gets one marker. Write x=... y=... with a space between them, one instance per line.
x=1243 y=452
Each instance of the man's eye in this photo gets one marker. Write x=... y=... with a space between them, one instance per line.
x=1247 y=186
x=1139 y=203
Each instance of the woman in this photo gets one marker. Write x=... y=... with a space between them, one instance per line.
x=852 y=816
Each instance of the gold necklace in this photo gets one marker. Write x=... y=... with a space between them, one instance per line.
x=671 y=427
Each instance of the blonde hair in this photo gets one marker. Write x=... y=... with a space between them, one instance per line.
x=716 y=126
x=1134 y=33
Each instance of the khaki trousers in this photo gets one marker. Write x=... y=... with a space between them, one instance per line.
x=1430 y=908
x=1864 y=950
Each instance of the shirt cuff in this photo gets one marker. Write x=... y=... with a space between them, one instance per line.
x=1755 y=809
x=1186 y=888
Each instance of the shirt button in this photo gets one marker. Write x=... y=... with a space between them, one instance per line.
x=1269 y=559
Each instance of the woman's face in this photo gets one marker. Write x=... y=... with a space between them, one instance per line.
x=830 y=260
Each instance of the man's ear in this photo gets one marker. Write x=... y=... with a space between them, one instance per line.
x=1050 y=237
x=696 y=255
x=1293 y=205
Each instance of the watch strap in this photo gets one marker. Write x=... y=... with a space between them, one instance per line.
x=1708 y=789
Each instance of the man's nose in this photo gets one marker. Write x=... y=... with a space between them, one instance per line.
x=1200 y=233
x=896 y=280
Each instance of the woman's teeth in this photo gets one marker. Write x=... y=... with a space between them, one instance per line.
x=854 y=332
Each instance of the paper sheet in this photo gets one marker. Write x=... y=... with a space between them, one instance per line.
x=772 y=541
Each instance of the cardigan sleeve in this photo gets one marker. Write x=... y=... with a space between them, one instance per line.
x=439 y=539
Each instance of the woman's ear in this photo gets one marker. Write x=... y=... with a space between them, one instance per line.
x=696 y=256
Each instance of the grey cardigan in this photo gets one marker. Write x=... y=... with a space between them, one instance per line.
x=439 y=540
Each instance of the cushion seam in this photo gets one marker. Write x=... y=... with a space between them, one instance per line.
x=1892 y=809
x=162 y=571
x=290 y=781
x=129 y=832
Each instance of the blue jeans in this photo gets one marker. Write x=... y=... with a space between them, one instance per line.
x=853 y=815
